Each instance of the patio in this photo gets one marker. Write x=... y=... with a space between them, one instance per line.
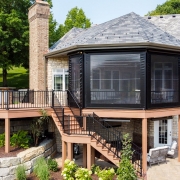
x=164 y=171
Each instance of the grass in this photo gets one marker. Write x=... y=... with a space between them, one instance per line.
x=17 y=77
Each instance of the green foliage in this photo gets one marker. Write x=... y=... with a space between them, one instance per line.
x=52 y=165
x=14 y=28
x=20 y=173
x=20 y=139
x=83 y=174
x=75 y=18
x=37 y=126
x=2 y=139
x=69 y=170
x=169 y=7
x=41 y=169
x=105 y=174
x=95 y=168
x=126 y=170
x=17 y=77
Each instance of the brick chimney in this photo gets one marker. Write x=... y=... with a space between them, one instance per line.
x=38 y=43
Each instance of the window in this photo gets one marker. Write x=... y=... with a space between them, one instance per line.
x=115 y=78
x=60 y=79
x=164 y=79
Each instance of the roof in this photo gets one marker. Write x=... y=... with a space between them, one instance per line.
x=169 y=23
x=130 y=28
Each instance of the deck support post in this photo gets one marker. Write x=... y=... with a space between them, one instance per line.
x=179 y=138
x=89 y=163
x=144 y=147
x=7 y=135
x=64 y=152
x=92 y=156
x=84 y=123
x=70 y=151
x=84 y=155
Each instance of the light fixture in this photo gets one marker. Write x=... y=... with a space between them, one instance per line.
x=117 y=120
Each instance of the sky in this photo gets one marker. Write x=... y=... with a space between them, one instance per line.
x=99 y=11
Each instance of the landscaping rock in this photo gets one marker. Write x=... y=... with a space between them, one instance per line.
x=27 y=165
x=4 y=171
x=10 y=177
x=12 y=170
x=30 y=153
x=9 y=161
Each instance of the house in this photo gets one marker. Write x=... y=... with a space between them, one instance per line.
x=122 y=73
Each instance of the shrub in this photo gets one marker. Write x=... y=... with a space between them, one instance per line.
x=52 y=165
x=2 y=139
x=105 y=174
x=41 y=169
x=20 y=139
x=69 y=170
x=126 y=170
x=95 y=168
x=37 y=126
x=83 y=174
x=20 y=173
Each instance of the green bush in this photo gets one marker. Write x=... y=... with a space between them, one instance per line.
x=20 y=173
x=2 y=139
x=83 y=174
x=105 y=174
x=41 y=169
x=126 y=170
x=95 y=168
x=52 y=165
x=20 y=139
x=69 y=170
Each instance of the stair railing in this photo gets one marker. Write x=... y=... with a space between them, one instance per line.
x=73 y=104
x=57 y=107
x=137 y=151
x=104 y=135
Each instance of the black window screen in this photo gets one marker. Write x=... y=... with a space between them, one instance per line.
x=115 y=78
x=164 y=79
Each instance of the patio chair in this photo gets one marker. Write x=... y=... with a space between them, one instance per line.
x=163 y=154
x=171 y=150
x=152 y=156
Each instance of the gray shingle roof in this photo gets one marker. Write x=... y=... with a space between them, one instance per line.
x=168 y=23
x=130 y=28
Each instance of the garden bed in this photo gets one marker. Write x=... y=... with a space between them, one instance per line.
x=13 y=152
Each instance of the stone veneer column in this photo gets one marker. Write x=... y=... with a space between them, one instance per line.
x=39 y=43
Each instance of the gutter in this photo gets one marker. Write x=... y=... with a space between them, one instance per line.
x=65 y=51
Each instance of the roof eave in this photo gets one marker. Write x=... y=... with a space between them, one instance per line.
x=70 y=49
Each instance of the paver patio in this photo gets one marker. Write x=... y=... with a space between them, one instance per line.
x=169 y=171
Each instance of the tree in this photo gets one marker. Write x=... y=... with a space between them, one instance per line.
x=75 y=18
x=169 y=7
x=14 y=34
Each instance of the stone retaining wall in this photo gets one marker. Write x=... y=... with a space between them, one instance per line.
x=27 y=158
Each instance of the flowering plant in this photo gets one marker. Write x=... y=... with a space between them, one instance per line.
x=105 y=174
x=83 y=174
x=69 y=170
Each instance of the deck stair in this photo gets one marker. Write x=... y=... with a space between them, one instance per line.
x=103 y=137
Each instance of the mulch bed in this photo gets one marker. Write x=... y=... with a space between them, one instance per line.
x=13 y=152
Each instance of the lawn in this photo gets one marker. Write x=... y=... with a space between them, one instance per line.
x=17 y=77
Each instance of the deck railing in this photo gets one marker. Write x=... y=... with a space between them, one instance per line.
x=11 y=99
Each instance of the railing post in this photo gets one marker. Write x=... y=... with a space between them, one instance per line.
x=63 y=117
x=7 y=107
x=52 y=98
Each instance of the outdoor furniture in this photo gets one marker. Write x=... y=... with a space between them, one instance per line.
x=157 y=155
x=172 y=148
